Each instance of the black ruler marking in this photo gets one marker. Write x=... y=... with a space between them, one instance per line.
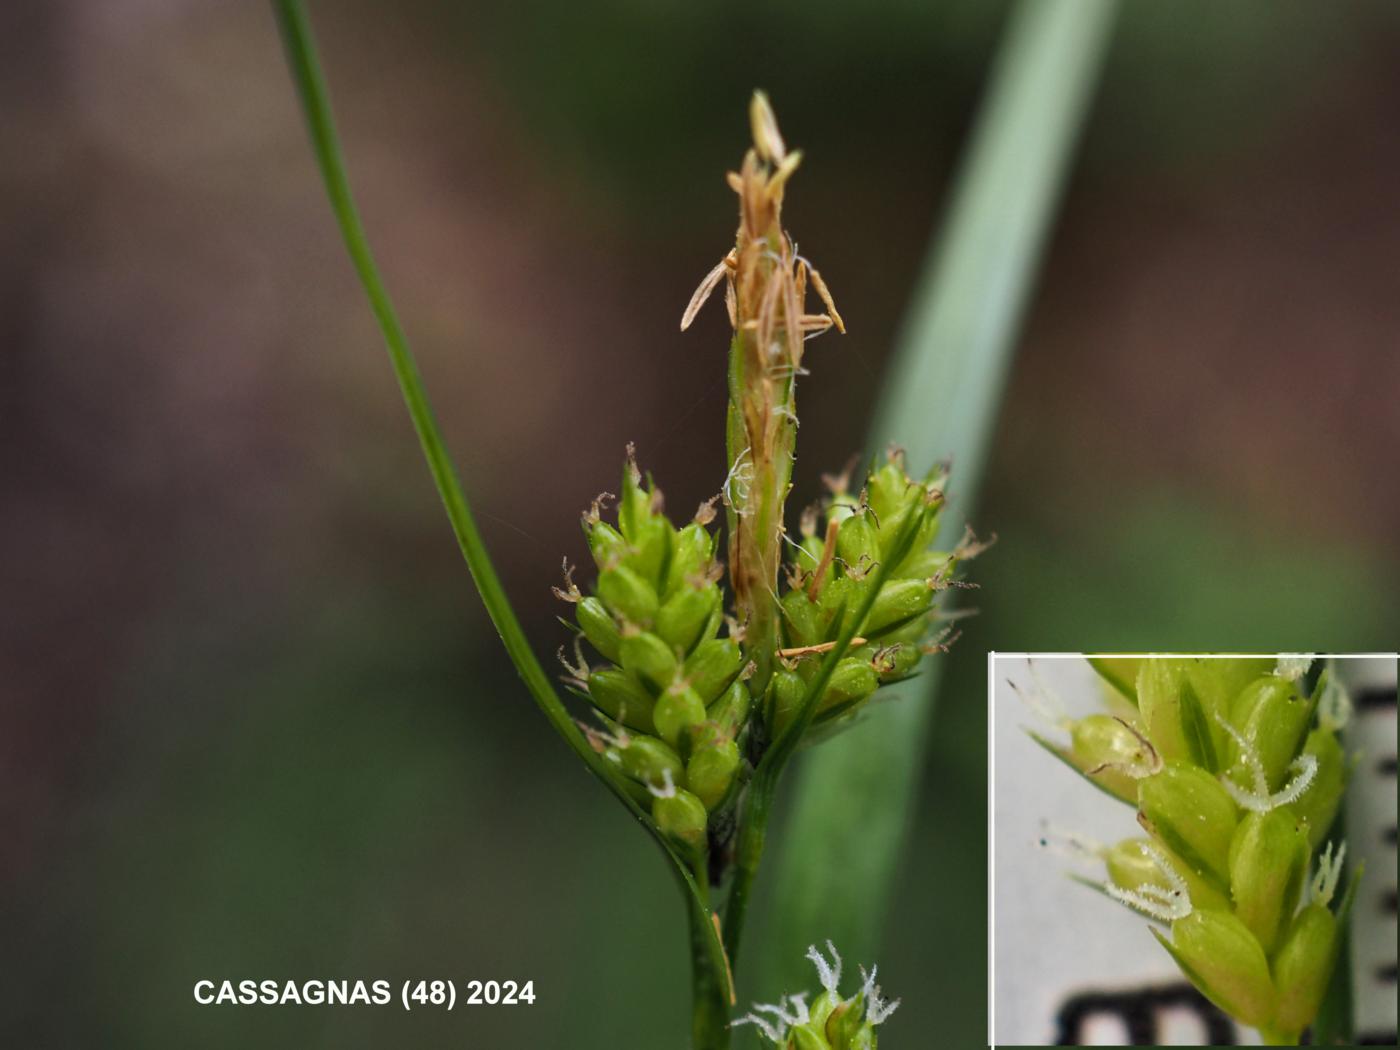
x=1139 y=1011
x=1374 y=698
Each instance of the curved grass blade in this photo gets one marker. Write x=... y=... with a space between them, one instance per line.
x=306 y=71
x=850 y=818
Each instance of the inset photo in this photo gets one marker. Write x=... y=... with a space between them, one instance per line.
x=1192 y=849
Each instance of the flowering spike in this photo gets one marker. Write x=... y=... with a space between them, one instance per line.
x=1249 y=775
x=829 y=974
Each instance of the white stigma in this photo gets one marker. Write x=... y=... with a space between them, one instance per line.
x=1293 y=666
x=829 y=974
x=768 y=1028
x=1167 y=904
x=876 y=1009
x=786 y=1012
x=667 y=788
x=1329 y=870
x=1258 y=800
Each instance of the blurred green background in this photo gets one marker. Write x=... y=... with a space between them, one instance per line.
x=255 y=723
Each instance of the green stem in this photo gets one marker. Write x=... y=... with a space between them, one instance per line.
x=306 y=71
x=850 y=812
x=709 y=989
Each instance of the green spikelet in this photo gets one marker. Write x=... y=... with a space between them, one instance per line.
x=1236 y=771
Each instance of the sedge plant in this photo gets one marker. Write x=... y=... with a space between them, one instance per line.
x=1236 y=772
x=701 y=663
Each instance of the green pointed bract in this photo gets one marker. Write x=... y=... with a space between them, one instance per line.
x=711 y=770
x=628 y=595
x=1223 y=959
x=1303 y=969
x=682 y=816
x=1268 y=867
x=1188 y=810
x=634 y=508
x=623 y=698
x=599 y=627
x=1318 y=805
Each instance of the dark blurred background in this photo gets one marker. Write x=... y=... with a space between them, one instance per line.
x=254 y=721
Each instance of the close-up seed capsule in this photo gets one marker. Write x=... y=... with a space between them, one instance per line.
x=1111 y=751
x=599 y=627
x=1272 y=717
x=1185 y=808
x=852 y=680
x=682 y=816
x=622 y=697
x=693 y=553
x=1303 y=967
x=711 y=771
x=649 y=761
x=1131 y=866
x=856 y=542
x=684 y=617
x=712 y=667
x=1225 y=961
x=678 y=711
x=785 y=699
x=1318 y=805
x=649 y=658
x=731 y=711
x=1268 y=867
x=605 y=543
x=898 y=602
x=628 y=595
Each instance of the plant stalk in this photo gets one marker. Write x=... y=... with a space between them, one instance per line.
x=707 y=951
